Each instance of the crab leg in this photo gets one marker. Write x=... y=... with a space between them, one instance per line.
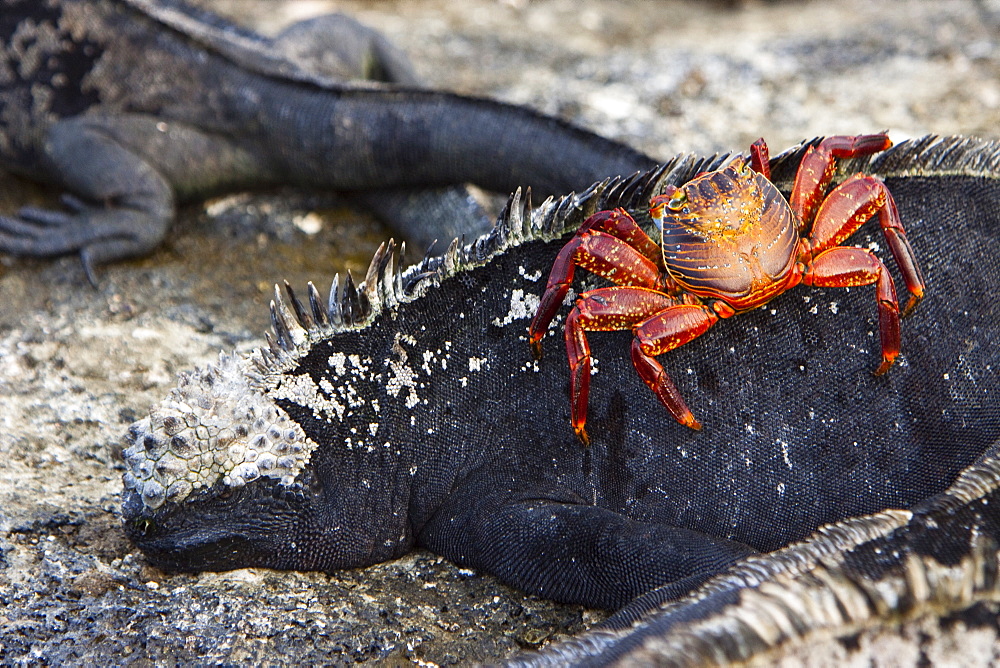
x=620 y=224
x=604 y=310
x=848 y=207
x=819 y=165
x=760 y=158
x=599 y=247
x=847 y=266
x=665 y=331
x=902 y=252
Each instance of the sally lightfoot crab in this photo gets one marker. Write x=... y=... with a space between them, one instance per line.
x=730 y=243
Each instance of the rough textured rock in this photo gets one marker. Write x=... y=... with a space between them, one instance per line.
x=78 y=365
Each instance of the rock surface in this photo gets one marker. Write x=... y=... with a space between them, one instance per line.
x=77 y=365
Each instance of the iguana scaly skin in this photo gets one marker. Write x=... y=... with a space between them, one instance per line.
x=133 y=105
x=408 y=411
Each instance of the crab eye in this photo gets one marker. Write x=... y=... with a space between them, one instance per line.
x=677 y=201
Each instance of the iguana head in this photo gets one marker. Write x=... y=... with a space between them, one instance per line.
x=220 y=476
x=213 y=428
x=272 y=459
x=215 y=474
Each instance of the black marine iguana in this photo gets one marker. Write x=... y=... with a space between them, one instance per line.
x=131 y=105
x=410 y=412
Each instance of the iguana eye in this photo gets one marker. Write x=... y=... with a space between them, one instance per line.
x=677 y=201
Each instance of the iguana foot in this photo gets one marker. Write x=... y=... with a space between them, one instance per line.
x=97 y=234
x=122 y=203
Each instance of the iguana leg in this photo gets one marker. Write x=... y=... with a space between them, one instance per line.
x=121 y=204
x=122 y=174
x=559 y=547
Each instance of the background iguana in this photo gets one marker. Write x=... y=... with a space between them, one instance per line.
x=131 y=105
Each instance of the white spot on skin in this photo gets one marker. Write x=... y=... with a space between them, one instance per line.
x=353 y=365
x=428 y=358
x=784 y=453
x=533 y=277
x=320 y=399
x=530 y=366
x=400 y=374
x=522 y=307
x=338 y=362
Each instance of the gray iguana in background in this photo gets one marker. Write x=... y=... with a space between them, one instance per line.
x=408 y=412
x=134 y=105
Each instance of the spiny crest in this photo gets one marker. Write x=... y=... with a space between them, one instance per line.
x=931 y=154
x=965 y=156
x=386 y=284
x=352 y=306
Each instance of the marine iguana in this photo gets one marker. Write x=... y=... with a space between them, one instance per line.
x=133 y=105
x=408 y=411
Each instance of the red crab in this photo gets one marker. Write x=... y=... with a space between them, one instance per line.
x=730 y=243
